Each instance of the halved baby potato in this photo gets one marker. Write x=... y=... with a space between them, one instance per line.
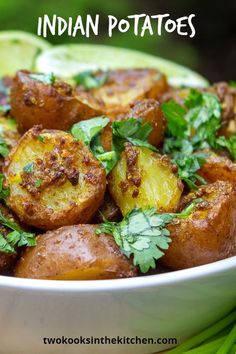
x=54 y=180
x=125 y=86
x=54 y=106
x=142 y=179
x=208 y=234
x=75 y=253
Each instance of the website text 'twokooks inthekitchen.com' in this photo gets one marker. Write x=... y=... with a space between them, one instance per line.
x=122 y=340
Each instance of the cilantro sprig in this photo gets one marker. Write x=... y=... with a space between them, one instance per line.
x=132 y=130
x=191 y=127
x=89 y=131
x=143 y=234
x=15 y=238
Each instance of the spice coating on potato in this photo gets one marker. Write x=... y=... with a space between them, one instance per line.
x=54 y=180
x=209 y=233
x=218 y=168
x=54 y=106
x=75 y=253
x=142 y=179
x=124 y=86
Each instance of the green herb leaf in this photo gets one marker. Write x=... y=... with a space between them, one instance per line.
x=48 y=79
x=88 y=80
x=29 y=168
x=15 y=238
x=133 y=130
x=143 y=234
x=38 y=183
x=4 y=192
x=41 y=138
x=89 y=131
x=4 y=151
x=86 y=130
x=191 y=127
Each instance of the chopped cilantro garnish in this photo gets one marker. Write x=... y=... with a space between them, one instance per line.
x=15 y=238
x=4 y=150
x=89 y=80
x=48 y=79
x=89 y=131
x=191 y=127
x=41 y=138
x=4 y=192
x=143 y=234
x=130 y=130
x=29 y=168
x=38 y=183
x=133 y=130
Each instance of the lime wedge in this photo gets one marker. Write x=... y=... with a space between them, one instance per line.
x=67 y=60
x=19 y=51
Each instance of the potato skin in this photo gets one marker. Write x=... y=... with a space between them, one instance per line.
x=66 y=185
x=218 y=168
x=142 y=179
x=125 y=86
x=75 y=253
x=149 y=110
x=209 y=233
x=54 y=106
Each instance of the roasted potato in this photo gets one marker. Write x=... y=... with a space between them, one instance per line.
x=54 y=106
x=7 y=260
x=54 y=180
x=143 y=178
x=209 y=233
x=149 y=110
x=218 y=168
x=123 y=87
x=75 y=253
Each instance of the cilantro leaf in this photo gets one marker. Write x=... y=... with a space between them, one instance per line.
x=89 y=131
x=48 y=79
x=191 y=127
x=143 y=234
x=88 y=80
x=29 y=168
x=133 y=130
x=4 y=192
x=15 y=238
x=175 y=114
x=86 y=130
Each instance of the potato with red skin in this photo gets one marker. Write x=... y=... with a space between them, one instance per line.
x=75 y=253
x=54 y=180
x=208 y=234
x=218 y=168
x=54 y=106
x=125 y=86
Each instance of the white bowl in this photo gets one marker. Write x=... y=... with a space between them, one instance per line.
x=176 y=304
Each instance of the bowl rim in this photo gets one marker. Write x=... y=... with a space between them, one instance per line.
x=80 y=286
